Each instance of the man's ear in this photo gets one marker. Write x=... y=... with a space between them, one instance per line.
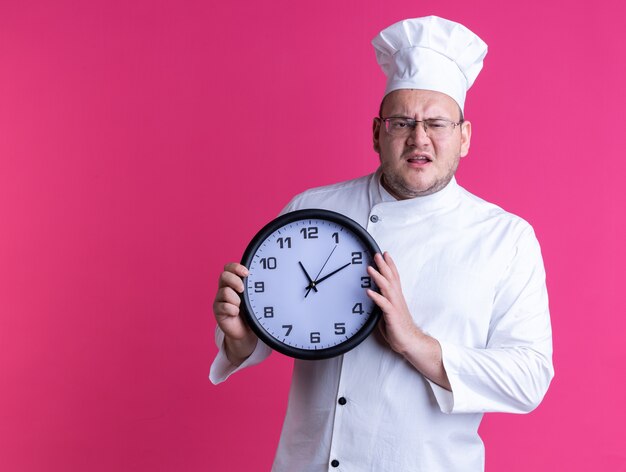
x=376 y=134
x=466 y=136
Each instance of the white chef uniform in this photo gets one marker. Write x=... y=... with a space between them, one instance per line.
x=473 y=278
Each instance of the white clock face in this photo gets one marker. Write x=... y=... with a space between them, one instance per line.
x=306 y=284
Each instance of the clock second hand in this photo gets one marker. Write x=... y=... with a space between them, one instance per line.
x=312 y=284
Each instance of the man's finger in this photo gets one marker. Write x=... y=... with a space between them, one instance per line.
x=384 y=304
x=232 y=280
x=382 y=266
x=391 y=264
x=381 y=282
x=237 y=269
x=225 y=309
x=228 y=295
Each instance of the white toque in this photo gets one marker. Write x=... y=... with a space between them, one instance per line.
x=430 y=53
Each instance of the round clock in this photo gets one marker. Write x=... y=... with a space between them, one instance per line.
x=305 y=292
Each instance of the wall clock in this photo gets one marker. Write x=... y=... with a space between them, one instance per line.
x=305 y=293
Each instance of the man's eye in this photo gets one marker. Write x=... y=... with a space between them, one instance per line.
x=400 y=124
x=436 y=124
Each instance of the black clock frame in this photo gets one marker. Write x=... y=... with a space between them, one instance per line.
x=257 y=328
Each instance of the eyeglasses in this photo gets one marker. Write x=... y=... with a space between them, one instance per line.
x=435 y=128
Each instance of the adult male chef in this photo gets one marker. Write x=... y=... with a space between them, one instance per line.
x=466 y=328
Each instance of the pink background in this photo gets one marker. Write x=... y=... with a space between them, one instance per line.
x=143 y=143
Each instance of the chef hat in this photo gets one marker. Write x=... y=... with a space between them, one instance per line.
x=430 y=53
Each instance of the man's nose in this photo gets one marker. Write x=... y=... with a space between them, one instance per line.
x=419 y=133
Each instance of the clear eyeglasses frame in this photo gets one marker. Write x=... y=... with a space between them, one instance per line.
x=403 y=127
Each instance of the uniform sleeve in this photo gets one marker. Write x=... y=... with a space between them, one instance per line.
x=513 y=372
x=221 y=368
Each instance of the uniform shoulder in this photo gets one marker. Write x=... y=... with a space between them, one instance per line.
x=328 y=196
x=347 y=186
x=493 y=213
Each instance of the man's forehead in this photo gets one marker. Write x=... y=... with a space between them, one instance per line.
x=410 y=101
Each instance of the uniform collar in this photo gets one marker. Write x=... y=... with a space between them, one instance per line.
x=442 y=199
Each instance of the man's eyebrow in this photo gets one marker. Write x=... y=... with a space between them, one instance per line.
x=436 y=117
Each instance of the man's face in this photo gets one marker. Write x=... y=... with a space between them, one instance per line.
x=417 y=165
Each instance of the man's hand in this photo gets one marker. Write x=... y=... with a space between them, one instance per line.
x=239 y=341
x=398 y=327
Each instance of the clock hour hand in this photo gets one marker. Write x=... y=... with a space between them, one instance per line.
x=332 y=273
x=311 y=283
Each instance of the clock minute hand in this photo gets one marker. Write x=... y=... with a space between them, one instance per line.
x=311 y=283
x=332 y=273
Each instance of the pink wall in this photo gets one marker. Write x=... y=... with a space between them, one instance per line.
x=143 y=143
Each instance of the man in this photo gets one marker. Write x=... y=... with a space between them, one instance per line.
x=465 y=326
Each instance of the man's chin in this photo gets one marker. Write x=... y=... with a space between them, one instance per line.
x=404 y=190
